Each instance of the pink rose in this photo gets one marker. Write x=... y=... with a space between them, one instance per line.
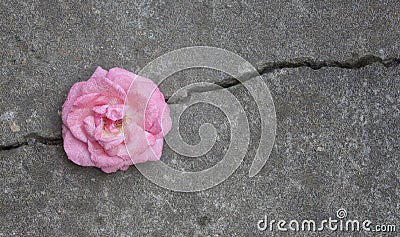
x=100 y=130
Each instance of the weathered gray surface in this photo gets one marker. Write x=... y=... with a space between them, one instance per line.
x=336 y=146
x=337 y=143
x=48 y=46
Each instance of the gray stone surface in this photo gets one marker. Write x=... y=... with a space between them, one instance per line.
x=336 y=147
x=337 y=143
x=48 y=46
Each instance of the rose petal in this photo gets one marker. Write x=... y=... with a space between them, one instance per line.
x=101 y=109
x=111 y=142
x=77 y=151
x=119 y=151
x=147 y=104
x=81 y=109
x=89 y=125
x=104 y=86
x=122 y=77
x=100 y=158
x=151 y=139
x=135 y=138
x=74 y=93
x=152 y=116
x=115 y=112
x=156 y=149
x=112 y=169
x=166 y=122
x=140 y=93
x=152 y=153
x=99 y=73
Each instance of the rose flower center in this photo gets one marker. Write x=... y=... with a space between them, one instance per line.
x=112 y=128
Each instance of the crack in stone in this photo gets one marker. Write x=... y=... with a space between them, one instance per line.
x=353 y=63
x=32 y=139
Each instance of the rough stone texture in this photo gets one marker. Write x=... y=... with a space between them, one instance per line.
x=337 y=143
x=336 y=147
x=47 y=46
